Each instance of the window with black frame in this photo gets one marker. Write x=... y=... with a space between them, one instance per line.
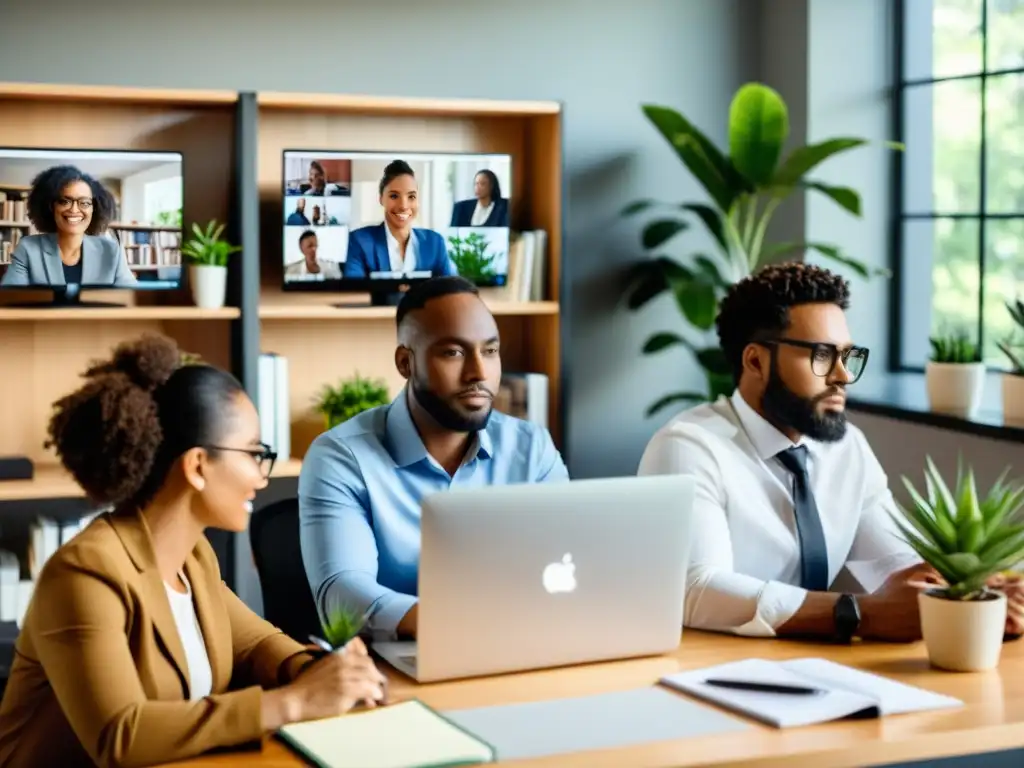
x=960 y=245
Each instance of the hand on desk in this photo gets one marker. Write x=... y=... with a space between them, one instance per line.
x=328 y=687
x=1012 y=585
x=891 y=612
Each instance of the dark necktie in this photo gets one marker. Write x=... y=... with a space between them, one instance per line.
x=813 y=552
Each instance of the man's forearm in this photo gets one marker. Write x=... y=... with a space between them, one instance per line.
x=814 y=618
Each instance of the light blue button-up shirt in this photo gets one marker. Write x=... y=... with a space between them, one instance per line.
x=359 y=503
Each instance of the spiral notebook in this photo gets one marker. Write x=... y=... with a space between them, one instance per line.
x=406 y=735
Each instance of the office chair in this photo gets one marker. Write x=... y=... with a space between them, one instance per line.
x=287 y=601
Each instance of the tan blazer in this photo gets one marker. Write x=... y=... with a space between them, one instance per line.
x=99 y=675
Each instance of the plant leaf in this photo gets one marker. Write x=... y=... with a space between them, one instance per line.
x=830 y=251
x=709 y=269
x=649 y=277
x=658 y=232
x=697 y=301
x=703 y=159
x=758 y=127
x=712 y=359
x=636 y=206
x=712 y=220
x=803 y=159
x=660 y=341
x=847 y=197
x=675 y=397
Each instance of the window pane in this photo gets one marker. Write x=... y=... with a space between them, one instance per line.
x=941 y=38
x=1004 y=282
x=1004 y=148
x=940 y=283
x=1005 y=34
x=942 y=135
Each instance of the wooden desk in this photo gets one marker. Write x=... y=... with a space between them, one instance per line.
x=991 y=720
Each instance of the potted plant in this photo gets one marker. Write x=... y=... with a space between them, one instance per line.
x=968 y=540
x=342 y=625
x=470 y=257
x=207 y=254
x=351 y=396
x=1013 y=380
x=955 y=375
x=745 y=186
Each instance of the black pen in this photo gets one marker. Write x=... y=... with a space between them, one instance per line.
x=749 y=685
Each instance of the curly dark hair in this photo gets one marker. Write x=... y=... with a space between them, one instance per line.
x=47 y=189
x=759 y=304
x=393 y=170
x=120 y=433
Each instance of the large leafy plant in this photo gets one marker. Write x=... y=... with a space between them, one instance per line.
x=967 y=538
x=744 y=188
x=340 y=403
x=1015 y=350
x=207 y=248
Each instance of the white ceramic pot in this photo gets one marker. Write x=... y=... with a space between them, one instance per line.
x=209 y=285
x=1013 y=399
x=955 y=388
x=963 y=635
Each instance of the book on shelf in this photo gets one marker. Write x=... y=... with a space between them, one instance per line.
x=525 y=396
x=527 y=266
x=831 y=691
x=273 y=404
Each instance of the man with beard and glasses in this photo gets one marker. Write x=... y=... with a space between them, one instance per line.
x=362 y=481
x=788 y=494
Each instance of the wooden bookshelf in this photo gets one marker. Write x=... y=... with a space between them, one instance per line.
x=45 y=349
x=323 y=342
x=52 y=482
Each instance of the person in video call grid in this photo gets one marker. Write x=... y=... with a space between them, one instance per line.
x=395 y=245
x=298 y=218
x=487 y=208
x=70 y=210
x=310 y=264
x=133 y=651
x=318 y=186
x=788 y=492
x=362 y=481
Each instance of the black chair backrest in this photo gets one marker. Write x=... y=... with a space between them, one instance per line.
x=287 y=600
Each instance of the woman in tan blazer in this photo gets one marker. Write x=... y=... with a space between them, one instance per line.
x=133 y=651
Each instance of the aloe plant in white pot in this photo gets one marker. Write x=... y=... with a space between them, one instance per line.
x=207 y=253
x=968 y=540
x=955 y=375
x=1013 y=380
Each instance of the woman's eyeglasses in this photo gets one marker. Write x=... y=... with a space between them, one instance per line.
x=824 y=356
x=84 y=203
x=264 y=457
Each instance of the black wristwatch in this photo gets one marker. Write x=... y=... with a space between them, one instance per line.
x=847 y=618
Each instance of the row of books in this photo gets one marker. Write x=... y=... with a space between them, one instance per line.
x=527 y=260
x=18 y=574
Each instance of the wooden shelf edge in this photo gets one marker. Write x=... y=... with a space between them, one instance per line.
x=44 y=313
x=404 y=104
x=328 y=312
x=53 y=91
x=52 y=482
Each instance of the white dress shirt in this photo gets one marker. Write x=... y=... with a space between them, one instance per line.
x=199 y=673
x=480 y=214
x=395 y=252
x=744 y=570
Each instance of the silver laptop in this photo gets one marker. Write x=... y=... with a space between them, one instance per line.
x=530 y=576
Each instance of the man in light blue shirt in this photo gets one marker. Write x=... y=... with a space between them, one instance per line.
x=362 y=481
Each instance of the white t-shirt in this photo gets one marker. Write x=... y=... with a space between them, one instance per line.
x=184 y=612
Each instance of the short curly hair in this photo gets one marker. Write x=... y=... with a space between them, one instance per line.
x=48 y=187
x=120 y=433
x=759 y=304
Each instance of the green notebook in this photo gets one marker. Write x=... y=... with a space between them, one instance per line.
x=406 y=735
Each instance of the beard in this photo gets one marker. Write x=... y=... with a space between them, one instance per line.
x=783 y=406
x=445 y=414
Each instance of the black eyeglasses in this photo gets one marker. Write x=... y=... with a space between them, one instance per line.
x=264 y=457
x=824 y=356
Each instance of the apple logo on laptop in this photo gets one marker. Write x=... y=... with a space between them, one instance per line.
x=561 y=576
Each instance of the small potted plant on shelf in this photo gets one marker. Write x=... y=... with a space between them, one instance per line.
x=207 y=253
x=1013 y=380
x=970 y=541
x=351 y=396
x=955 y=375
